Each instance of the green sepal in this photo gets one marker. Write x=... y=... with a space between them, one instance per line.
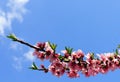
x=12 y=36
x=61 y=57
x=33 y=67
x=53 y=46
x=69 y=50
x=118 y=46
x=92 y=56
x=116 y=52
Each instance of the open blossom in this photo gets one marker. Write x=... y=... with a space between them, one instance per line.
x=48 y=48
x=79 y=54
x=57 y=68
x=92 y=67
x=73 y=74
x=48 y=54
x=72 y=65
x=54 y=57
x=66 y=55
x=41 y=45
x=39 y=55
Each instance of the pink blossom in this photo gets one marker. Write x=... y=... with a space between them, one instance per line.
x=48 y=53
x=54 y=57
x=104 y=57
x=72 y=65
x=41 y=56
x=79 y=54
x=48 y=48
x=41 y=45
x=66 y=55
x=57 y=68
x=89 y=57
x=73 y=74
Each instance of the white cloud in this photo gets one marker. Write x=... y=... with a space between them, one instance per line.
x=16 y=11
x=15 y=46
x=29 y=56
x=17 y=63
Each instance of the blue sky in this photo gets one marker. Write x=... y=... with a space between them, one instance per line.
x=90 y=25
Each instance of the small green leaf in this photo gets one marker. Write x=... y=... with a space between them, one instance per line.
x=69 y=50
x=118 y=46
x=53 y=46
x=92 y=55
x=61 y=57
x=34 y=67
x=116 y=51
x=13 y=37
x=66 y=48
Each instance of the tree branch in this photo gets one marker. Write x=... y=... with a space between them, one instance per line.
x=14 y=38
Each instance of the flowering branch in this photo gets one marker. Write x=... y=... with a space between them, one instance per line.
x=72 y=62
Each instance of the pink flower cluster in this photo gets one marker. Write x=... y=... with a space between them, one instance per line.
x=75 y=62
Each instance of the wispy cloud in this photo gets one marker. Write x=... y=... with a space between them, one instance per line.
x=15 y=46
x=16 y=11
x=29 y=56
x=19 y=61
